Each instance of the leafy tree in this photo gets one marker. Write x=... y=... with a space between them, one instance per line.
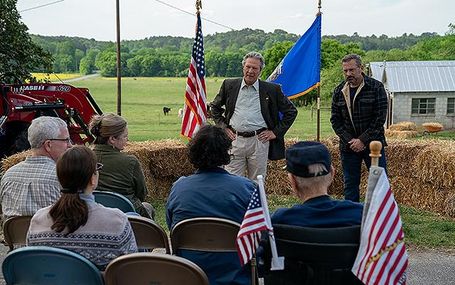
x=274 y=55
x=106 y=62
x=87 y=63
x=19 y=55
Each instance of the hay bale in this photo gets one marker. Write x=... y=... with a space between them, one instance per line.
x=435 y=163
x=403 y=126
x=14 y=159
x=400 y=134
x=400 y=156
x=433 y=127
x=424 y=196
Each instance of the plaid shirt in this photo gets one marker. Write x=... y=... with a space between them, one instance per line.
x=365 y=119
x=29 y=186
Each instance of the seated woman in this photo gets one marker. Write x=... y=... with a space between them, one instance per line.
x=121 y=173
x=211 y=192
x=76 y=222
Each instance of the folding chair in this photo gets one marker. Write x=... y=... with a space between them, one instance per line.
x=313 y=255
x=114 y=200
x=207 y=234
x=151 y=268
x=42 y=265
x=149 y=234
x=15 y=231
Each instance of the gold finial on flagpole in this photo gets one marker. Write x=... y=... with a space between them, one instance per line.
x=198 y=5
x=375 y=152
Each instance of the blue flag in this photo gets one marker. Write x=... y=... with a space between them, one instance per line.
x=299 y=71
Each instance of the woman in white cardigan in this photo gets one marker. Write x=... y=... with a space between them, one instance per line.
x=76 y=222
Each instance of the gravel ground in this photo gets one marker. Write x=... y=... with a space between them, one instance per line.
x=425 y=266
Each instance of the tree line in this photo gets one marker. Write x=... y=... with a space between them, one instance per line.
x=22 y=53
x=169 y=56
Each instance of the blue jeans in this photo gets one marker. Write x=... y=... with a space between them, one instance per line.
x=352 y=167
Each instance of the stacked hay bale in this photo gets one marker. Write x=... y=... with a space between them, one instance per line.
x=421 y=173
x=402 y=130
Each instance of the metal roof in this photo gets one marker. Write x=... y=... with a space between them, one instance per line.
x=415 y=76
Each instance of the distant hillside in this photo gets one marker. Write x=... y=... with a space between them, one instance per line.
x=169 y=56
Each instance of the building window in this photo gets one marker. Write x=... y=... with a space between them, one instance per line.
x=450 y=106
x=423 y=106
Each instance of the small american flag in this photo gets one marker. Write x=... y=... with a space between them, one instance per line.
x=195 y=110
x=249 y=234
x=382 y=256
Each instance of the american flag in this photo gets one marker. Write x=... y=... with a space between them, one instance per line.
x=195 y=110
x=382 y=256
x=249 y=234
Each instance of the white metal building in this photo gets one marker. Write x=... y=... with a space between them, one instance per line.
x=420 y=91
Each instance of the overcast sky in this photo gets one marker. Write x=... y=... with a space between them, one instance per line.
x=145 y=18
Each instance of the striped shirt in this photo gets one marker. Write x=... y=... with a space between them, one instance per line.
x=29 y=186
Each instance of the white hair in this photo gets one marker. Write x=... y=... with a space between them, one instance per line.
x=44 y=128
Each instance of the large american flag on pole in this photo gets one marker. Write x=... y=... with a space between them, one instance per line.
x=249 y=234
x=382 y=256
x=195 y=110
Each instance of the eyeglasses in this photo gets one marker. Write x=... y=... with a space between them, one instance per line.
x=67 y=140
x=99 y=166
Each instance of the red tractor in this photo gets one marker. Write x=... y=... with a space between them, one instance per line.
x=20 y=104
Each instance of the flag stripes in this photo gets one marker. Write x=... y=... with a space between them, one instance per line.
x=195 y=110
x=249 y=234
x=382 y=257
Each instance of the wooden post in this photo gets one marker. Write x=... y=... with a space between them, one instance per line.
x=375 y=152
x=119 y=62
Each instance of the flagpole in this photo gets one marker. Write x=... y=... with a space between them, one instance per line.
x=277 y=261
x=318 y=101
x=375 y=173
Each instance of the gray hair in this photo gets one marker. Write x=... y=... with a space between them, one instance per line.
x=44 y=128
x=310 y=182
x=255 y=55
x=353 y=56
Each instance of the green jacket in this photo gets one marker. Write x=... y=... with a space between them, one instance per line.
x=121 y=173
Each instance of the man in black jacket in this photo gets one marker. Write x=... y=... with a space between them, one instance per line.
x=255 y=115
x=359 y=111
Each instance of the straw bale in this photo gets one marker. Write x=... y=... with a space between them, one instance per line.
x=14 y=159
x=277 y=180
x=423 y=195
x=435 y=163
x=433 y=127
x=401 y=154
x=403 y=126
x=449 y=205
x=400 y=134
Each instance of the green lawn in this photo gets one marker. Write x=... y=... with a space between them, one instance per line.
x=143 y=100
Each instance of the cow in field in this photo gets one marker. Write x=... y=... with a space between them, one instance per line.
x=166 y=110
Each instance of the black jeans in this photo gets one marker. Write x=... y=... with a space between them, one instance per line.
x=352 y=167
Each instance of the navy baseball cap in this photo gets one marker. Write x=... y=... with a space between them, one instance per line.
x=305 y=153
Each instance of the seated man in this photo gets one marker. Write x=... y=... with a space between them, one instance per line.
x=32 y=184
x=310 y=172
x=211 y=192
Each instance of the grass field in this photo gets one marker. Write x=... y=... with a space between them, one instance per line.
x=143 y=100
x=142 y=103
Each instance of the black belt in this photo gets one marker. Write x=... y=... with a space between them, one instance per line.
x=249 y=134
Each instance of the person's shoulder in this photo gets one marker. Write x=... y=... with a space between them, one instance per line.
x=41 y=213
x=111 y=215
x=351 y=204
x=339 y=87
x=372 y=82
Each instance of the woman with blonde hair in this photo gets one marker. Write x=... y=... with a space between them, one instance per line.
x=76 y=222
x=122 y=173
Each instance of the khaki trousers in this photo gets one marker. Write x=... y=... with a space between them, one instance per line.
x=248 y=157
